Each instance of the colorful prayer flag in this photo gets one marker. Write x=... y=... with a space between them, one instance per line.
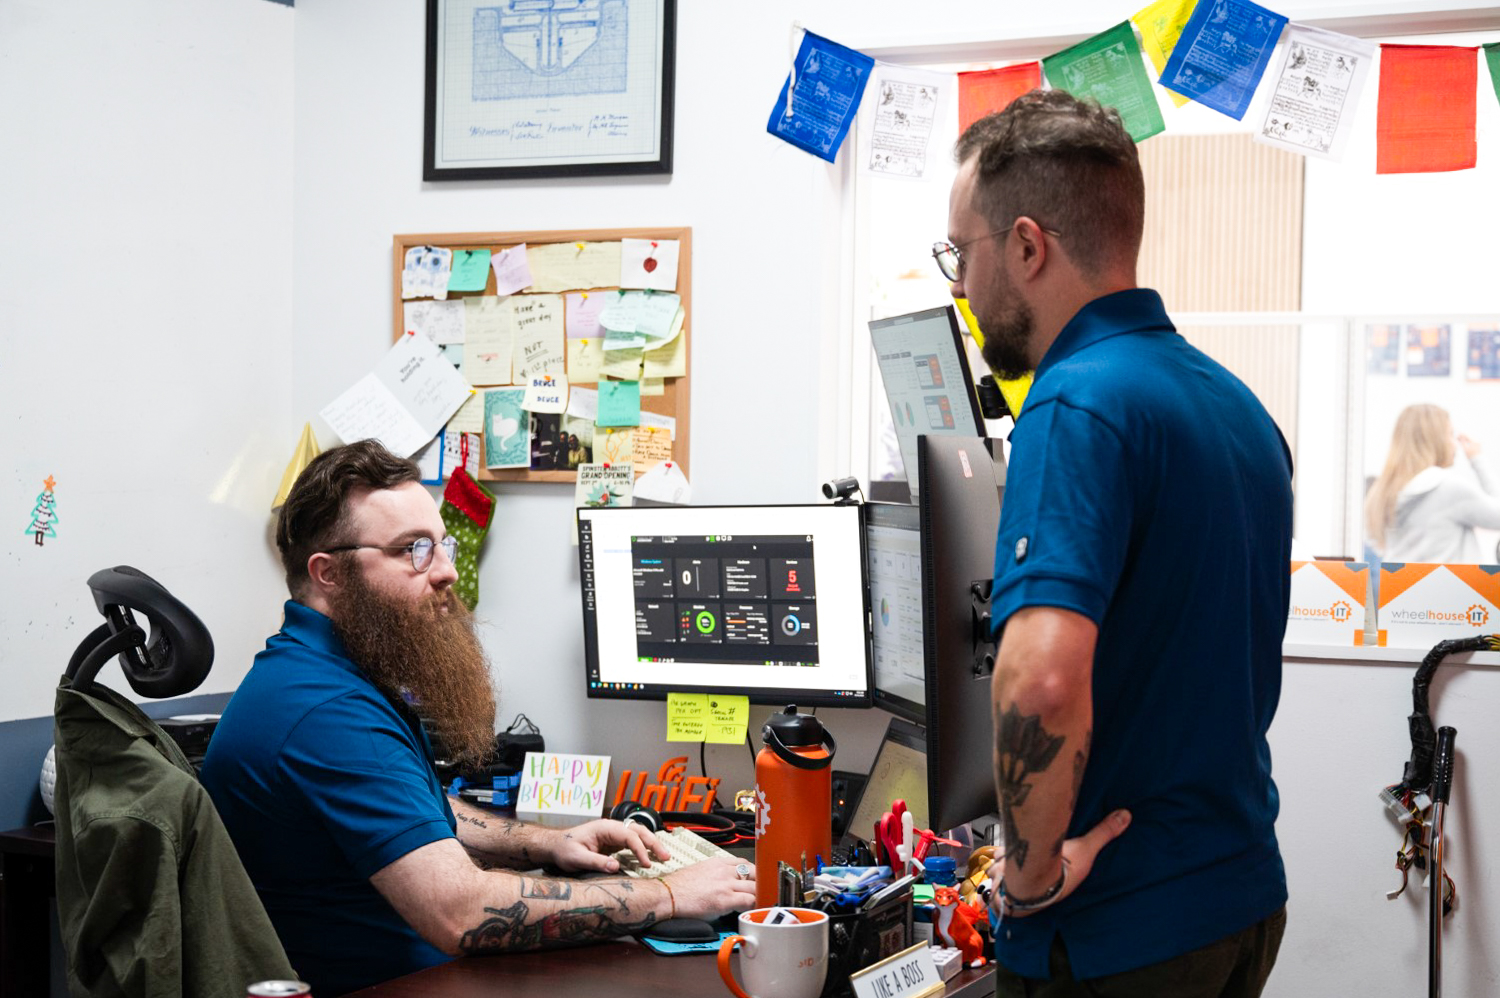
x=1108 y=68
x=1222 y=54
x=993 y=89
x=1161 y=24
x=1428 y=99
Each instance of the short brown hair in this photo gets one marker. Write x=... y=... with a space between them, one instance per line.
x=1068 y=164
x=316 y=514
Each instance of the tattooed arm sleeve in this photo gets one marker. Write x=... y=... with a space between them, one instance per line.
x=464 y=910
x=1043 y=709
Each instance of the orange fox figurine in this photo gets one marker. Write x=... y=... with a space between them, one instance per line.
x=953 y=924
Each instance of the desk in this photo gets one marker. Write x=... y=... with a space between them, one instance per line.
x=25 y=920
x=622 y=969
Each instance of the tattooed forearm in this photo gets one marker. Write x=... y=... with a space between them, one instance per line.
x=552 y=890
x=509 y=928
x=1022 y=748
x=1080 y=761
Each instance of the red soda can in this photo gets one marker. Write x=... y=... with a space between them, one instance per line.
x=278 y=989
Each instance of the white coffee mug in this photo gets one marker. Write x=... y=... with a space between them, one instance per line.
x=784 y=960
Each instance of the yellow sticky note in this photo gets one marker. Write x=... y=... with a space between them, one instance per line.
x=653 y=386
x=585 y=360
x=727 y=719
x=668 y=361
x=614 y=444
x=687 y=713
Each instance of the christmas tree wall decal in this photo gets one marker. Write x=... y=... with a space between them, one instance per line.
x=44 y=514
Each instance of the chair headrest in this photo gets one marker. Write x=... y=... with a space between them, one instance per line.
x=173 y=661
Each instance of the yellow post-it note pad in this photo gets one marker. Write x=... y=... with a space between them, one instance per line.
x=728 y=717
x=687 y=714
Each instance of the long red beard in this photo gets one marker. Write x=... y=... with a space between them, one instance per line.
x=419 y=649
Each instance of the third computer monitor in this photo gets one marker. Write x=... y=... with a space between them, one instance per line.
x=927 y=382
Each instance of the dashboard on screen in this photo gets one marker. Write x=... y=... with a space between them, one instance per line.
x=769 y=601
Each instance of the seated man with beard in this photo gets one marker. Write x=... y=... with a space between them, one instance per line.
x=323 y=775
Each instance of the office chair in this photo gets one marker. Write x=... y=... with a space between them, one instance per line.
x=151 y=896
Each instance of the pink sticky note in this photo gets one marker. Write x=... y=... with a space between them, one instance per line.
x=581 y=315
x=512 y=271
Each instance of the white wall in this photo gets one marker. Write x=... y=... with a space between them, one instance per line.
x=145 y=283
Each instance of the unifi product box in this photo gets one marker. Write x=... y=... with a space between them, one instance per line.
x=1421 y=605
x=1328 y=603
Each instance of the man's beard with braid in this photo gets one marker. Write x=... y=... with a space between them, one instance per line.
x=435 y=656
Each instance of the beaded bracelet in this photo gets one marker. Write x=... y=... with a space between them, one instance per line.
x=1048 y=898
x=670 y=895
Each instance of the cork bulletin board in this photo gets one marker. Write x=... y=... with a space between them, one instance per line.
x=673 y=398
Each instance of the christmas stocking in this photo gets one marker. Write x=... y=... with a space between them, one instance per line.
x=467 y=509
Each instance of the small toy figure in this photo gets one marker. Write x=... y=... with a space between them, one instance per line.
x=977 y=882
x=953 y=923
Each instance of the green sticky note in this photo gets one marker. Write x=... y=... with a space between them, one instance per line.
x=471 y=270
x=728 y=717
x=686 y=715
x=619 y=403
x=1492 y=57
x=922 y=893
x=1108 y=68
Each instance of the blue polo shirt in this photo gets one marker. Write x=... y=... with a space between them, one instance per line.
x=322 y=781
x=1150 y=491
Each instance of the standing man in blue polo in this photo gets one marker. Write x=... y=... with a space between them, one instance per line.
x=1141 y=586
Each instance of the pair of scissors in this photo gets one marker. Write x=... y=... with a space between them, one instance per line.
x=889 y=835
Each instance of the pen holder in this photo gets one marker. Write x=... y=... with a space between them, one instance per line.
x=857 y=939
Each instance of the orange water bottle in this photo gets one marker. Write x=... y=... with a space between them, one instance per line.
x=793 y=797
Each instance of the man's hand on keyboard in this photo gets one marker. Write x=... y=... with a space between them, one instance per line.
x=713 y=887
x=588 y=846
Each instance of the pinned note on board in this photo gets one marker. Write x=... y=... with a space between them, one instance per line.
x=512 y=270
x=619 y=403
x=727 y=720
x=649 y=446
x=687 y=717
x=424 y=272
x=561 y=783
x=471 y=270
x=649 y=263
x=665 y=483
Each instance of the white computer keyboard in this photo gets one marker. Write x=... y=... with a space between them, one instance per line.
x=686 y=846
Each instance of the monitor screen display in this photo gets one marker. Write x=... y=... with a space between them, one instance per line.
x=899 y=773
x=769 y=601
x=927 y=380
x=893 y=542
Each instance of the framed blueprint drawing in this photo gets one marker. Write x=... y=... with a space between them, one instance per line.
x=548 y=88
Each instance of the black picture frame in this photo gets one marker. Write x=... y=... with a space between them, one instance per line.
x=496 y=121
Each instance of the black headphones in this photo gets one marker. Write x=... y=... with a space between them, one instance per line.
x=716 y=826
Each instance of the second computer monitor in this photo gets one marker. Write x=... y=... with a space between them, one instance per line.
x=960 y=515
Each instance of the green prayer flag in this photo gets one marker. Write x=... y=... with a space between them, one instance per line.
x=1492 y=57
x=1108 y=68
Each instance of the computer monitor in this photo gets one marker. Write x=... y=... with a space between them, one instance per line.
x=960 y=514
x=893 y=545
x=769 y=601
x=899 y=773
x=927 y=381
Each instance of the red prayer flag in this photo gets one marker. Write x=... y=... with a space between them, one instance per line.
x=1425 y=121
x=992 y=89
